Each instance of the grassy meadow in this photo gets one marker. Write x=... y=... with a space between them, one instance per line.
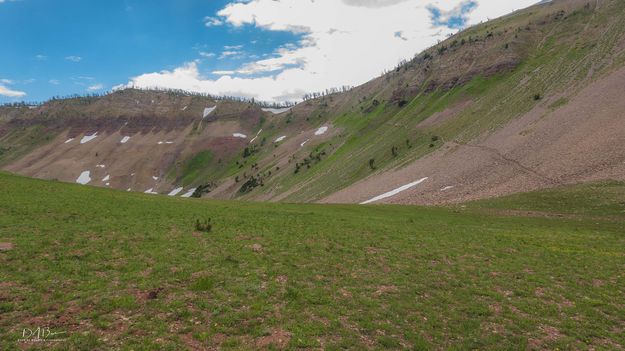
x=115 y=270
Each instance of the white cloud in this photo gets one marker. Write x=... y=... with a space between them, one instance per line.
x=54 y=82
x=95 y=87
x=6 y=81
x=73 y=58
x=231 y=54
x=41 y=57
x=343 y=43
x=207 y=54
x=212 y=21
x=4 y=91
x=224 y=73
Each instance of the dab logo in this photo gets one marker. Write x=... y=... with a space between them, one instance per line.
x=41 y=334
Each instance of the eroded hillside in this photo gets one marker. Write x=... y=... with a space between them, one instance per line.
x=530 y=100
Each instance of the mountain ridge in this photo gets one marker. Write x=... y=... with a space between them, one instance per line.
x=447 y=110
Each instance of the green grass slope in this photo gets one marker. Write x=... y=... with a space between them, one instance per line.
x=116 y=270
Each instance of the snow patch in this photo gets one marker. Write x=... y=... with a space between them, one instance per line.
x=155 y=178
x=280 y=139
x=175 y=192
x=208 y=111
x=151 y=191
x=189 y=193
x=107 y=178
x=84 y=178
x=304 y=143
x=101 y=166
x=128 y=189
x=165 y=142
x=184 y=108
x=395 y=192
x=321 y=131
x=447 y=188
x=69 y=140
x=108 y=184
x=125 y=139
x=276 y=111
x=88 y=138
x=239 y=135
x=257 y=134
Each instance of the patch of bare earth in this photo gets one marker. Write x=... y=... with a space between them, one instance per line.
x=278 y=338
x=6 y=246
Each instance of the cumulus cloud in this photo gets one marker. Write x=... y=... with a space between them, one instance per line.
x=342 y=43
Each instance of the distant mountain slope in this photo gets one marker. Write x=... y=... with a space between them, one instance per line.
x=530 y=100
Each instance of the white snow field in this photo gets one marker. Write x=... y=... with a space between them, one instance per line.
x=208 y=111
x=395 y=192
x=257 y=134
x=175 y=192
x=277 y=111
x=321 y=131
x=84 y=178
x=88 y=138
x=189 y=193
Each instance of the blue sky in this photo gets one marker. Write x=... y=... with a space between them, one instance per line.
x=271 y=50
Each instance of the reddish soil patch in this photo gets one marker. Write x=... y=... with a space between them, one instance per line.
x=6 y=246
x=278 y=338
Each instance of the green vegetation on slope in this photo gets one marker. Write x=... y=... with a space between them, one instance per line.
x=121 y=270
x=558 y=53
x=20 y=142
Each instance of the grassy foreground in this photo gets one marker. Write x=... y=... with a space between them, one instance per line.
x=115 y=270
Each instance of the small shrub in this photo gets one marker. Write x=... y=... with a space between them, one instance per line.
x=435 y=138
x=372 y=163
x=205 y=226
x=537 y=97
